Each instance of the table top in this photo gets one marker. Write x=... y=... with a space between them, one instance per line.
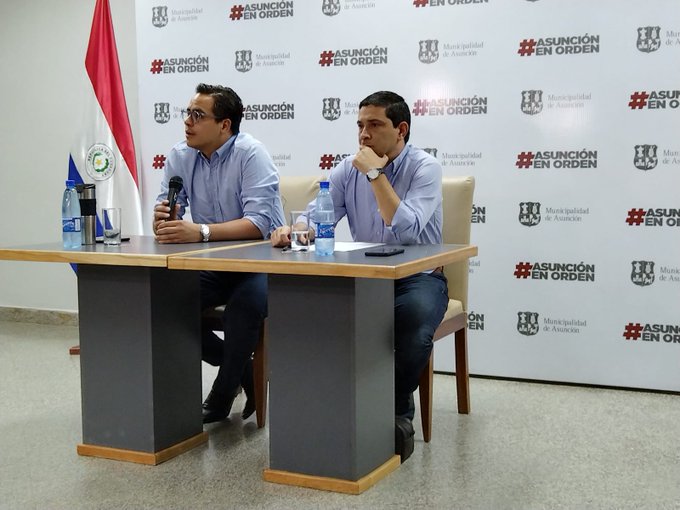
x=263 y=258
x=138 y=251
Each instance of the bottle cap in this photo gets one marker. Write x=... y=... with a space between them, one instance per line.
x=324 y=184
x=70 y=183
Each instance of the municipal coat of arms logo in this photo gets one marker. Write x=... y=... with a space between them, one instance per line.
x=648 y=39
x=331 y=108
x=161 y=112
x=159 y=16
x=645 y=157
x=429 y=51
x=100 y=163
x=529 y=213
x=532 y=101
x=642 y=272
x=432 y=151
x=244 y=60
x=527 y=323
x=330 y=7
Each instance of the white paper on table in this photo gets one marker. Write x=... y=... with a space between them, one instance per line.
x=350 y=246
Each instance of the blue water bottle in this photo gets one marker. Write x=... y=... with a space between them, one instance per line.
x=70 y=217
x=324 y=217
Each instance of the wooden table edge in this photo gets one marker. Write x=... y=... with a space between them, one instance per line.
x=312 y=268
x=102 y=258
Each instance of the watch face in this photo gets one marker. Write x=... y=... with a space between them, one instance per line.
x=373 y=173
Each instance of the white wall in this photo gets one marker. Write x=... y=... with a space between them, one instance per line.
x=42 y=51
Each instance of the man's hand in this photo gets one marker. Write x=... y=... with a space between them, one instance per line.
x=366 y=159
x=178 y=231
x=173 y=231
x=281 y=237
x=161 y=214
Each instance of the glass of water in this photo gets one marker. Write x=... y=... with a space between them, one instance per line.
x=111 y=223
x=300 y=231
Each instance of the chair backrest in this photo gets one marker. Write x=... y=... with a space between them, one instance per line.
x=297 y=191
x=457 y=209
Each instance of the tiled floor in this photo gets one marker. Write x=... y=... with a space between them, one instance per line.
x=524 y=446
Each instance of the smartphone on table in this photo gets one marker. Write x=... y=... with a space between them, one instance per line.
x=384 y=251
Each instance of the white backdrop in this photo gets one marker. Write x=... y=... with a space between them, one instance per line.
x=566 y=113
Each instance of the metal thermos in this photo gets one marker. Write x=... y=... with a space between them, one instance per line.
x=88 y=209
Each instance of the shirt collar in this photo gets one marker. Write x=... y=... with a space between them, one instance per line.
x=223 y=150
x=395 y=164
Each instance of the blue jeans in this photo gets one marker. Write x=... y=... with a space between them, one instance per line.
x=420 y=302
x=245 y=298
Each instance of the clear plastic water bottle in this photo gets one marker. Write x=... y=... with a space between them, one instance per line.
x=70 y=217
x=324 y=217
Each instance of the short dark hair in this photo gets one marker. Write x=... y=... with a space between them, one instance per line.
x=227 y=104
x=396 y=108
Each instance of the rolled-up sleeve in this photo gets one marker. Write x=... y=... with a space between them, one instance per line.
x=260 y=190
x=423 y=198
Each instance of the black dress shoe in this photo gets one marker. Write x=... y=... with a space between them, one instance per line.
x=248 y=409
x=217 y=406
x=403 y=437
x=248 y=385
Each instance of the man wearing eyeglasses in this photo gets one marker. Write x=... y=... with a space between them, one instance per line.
x=232 y=188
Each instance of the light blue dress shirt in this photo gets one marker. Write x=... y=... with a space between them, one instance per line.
x=416 y=178
x=239 y=181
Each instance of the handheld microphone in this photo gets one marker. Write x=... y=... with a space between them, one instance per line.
x=174 y=187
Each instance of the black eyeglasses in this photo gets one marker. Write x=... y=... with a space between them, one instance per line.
x=196 y=115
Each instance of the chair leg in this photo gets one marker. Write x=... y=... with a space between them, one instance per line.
x=425 y=392
x=462 y=372
x=260 y=377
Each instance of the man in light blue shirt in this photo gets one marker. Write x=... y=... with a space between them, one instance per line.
x=231 y=187
x=391 y=192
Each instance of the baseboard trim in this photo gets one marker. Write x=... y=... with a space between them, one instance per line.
x=38 y=316
x=562 y=383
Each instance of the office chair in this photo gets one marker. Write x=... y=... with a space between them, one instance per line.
x=457 y=211
x=296 y=193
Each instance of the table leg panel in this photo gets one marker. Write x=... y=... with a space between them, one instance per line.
x=140 y=356
x=331 y=375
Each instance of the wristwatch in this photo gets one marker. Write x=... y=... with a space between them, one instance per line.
x=373 y=174
x=205 y=232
